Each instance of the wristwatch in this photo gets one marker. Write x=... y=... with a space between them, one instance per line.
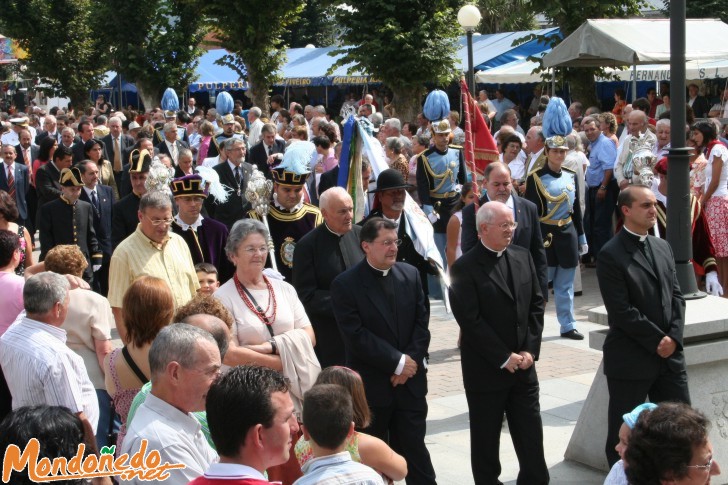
x=602 y=187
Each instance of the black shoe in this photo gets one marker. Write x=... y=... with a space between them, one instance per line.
x=577 y=293
x=573 y=335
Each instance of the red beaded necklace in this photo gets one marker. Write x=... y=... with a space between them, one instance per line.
x=253 y=305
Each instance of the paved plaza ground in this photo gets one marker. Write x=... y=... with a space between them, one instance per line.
x=565 y=369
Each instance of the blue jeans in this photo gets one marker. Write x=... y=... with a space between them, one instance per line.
x=563 y=279
x=105 y=417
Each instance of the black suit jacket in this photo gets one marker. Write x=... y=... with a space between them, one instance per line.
x=642 y=307
x=43 y=134
x=258 y=155
x=320 y=257
x=701 y=106
x=124 y=218
x=329 y=179
x=79 y=153
x=60 y=223
x=33 y=154
x=126 y=142
x=164 y=149
x=47 y=183
x=237 y=206
x=102 y=218
x=527 y=234
x=494 y=320
x=375 y=338
x=22 y=185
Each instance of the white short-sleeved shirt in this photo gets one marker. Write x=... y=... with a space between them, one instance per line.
x=177 y=436
x=248 y=329
x=517 y=165
x=41 y=370
x=719 y=150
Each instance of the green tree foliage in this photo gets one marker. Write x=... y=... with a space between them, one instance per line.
x=703 y=9
x=505 y=16
x=252 y=31
x=402 y=45
x=61 y=45
x=154 y=43
x=568 y=15
x=315 y=26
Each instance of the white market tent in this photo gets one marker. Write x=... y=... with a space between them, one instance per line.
x=521 y=72
x=625 y=42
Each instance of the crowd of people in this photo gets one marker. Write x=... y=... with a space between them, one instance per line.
x=274 y=327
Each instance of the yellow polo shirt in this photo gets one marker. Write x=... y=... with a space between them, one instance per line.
x=137 y=255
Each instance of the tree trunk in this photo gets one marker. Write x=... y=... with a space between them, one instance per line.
x=259 y=93
x=407 y=102
x=79 y=100
x=582 y=86
x=150 y=97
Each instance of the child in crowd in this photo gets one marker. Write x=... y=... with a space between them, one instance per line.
x=207 y=276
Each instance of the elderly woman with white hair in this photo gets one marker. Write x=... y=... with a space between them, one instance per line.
x=270 y=321
x=270 y=326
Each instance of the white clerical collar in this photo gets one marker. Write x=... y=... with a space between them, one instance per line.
x=393 y=221
x=497 y=253
x=281 y=208
x=640 y=236
x=331 y=231
x=186 y=226
x=384 y=272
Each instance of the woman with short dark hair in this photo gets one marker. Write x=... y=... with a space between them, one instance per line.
x=670 y=445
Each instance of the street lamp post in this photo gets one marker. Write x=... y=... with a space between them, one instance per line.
x=678 y=184
x=469 y=18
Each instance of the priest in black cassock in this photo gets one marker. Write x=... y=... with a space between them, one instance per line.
x=204 y=236
x=320 y=256
x=68 y=220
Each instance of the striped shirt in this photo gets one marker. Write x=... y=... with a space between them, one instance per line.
x=338 y=469
x=137 y=255
x=40 y=369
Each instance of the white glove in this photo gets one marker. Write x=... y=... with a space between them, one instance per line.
x=583 y=249
x=711 y=284
x=96 y=267
x=271 y=273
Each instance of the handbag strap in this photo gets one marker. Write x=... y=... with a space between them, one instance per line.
x=259 y=309
x=132 y=365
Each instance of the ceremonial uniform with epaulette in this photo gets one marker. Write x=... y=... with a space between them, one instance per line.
x=556 y=195
x=440 y=173
x=288 y=225
x=68 y=220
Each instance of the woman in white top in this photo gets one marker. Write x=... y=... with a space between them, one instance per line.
x=270 y=322
x=262 y=307
x=715 y=196
x=513 y=156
